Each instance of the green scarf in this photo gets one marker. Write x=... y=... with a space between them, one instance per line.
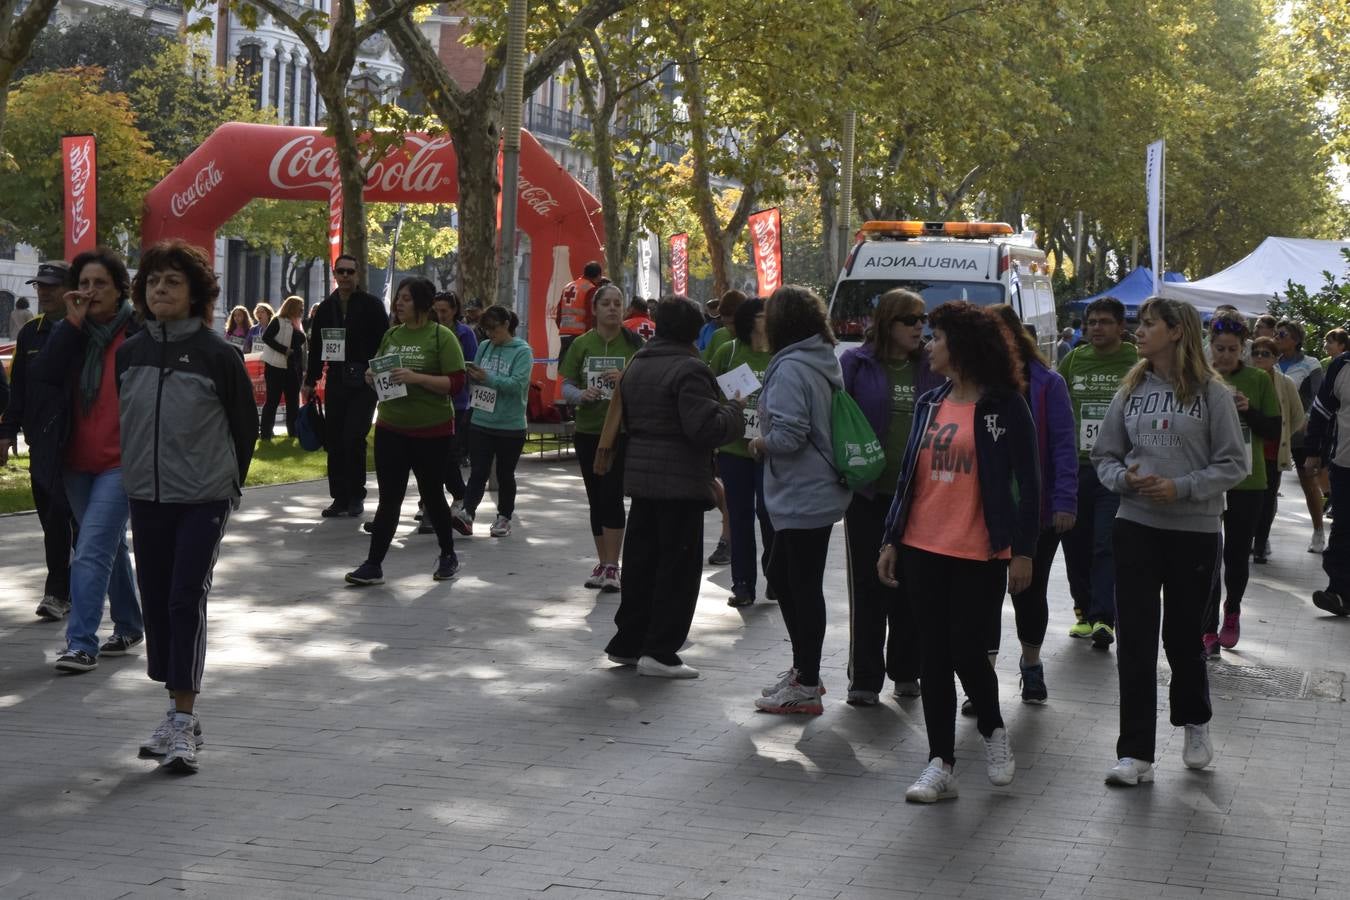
x=99 y=337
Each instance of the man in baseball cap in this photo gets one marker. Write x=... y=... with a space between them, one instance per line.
x=31 y=408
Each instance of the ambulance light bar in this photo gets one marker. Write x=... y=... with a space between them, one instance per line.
x=908 y=229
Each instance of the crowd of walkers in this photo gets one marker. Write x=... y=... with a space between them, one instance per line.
x=1155 y=463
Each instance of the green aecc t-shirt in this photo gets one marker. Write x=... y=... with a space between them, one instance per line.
x=587 y=359
x=1093 y=379
x=1260 y=393
x=731 y=355
x=900 y=378
x=431 y=349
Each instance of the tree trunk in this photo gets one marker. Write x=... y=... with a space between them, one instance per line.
x=476 y=140
x=355 y=237
x=827 y=194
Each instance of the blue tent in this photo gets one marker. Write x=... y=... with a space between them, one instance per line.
x=1132 y=290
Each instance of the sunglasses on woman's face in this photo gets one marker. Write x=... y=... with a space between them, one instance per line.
x=912 y=320
x=1261 y=354
x=1223 y=326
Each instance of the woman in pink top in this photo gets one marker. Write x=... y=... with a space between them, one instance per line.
x=961 y=534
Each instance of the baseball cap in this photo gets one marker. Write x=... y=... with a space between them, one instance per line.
x=51 y=273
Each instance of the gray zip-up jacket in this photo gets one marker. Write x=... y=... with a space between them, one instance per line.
x=188 y=417
x=1197 y=444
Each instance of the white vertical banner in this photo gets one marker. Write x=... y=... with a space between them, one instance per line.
x=1156 y=185
x=648 y=282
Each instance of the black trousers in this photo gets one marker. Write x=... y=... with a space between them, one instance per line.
x=1032 y=606
x=1270 y=501
x=743 y=481
x=58 y=536
x=280 y=382
x=347 y=416
x=395 y=456
x=1336 y=559
x=950 y=596
x=176 y=546
x=797 y=575
x=1160 y=574
x=882 y=637
x=604 y=493
x=459 y=455
x=1240 y=520
x=662 y=567
x=489 y=451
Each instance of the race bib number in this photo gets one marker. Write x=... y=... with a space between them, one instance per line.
x=1090 y=424
x=596 y=367
x=381 y=370
x=1247 y=460
x=751 y=423
x=334 y=344
x=236 y=340
x=483 y=397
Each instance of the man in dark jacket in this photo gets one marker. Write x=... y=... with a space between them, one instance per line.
x=345 y=333
x=32 y=406
x=675 y=418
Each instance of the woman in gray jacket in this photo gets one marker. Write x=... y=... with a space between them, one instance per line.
x=802 y=491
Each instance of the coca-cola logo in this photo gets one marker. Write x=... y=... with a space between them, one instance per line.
x=80 y=164
x=679 y=263
x=536 y=198
x=206 y=179
x=766 y=252
x=412 y=168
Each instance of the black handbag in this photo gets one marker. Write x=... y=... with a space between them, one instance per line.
x=309 y=424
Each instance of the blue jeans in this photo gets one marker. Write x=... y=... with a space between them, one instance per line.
x=101 y=564
x=1089 y=555
x=743 y=479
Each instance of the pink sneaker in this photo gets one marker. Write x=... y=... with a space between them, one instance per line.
x=1228 y=634
x=1211 y=642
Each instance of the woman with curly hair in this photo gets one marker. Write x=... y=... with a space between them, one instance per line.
x=188 y=428
x=237 y=328
x=1171 y=445
x=960 y=531
x=802 y=491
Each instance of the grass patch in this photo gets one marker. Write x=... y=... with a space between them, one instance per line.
x=280 y=461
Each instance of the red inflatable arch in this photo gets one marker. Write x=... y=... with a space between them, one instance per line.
x=240 y=161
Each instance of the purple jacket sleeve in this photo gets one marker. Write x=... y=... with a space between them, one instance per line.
x=1063 y=447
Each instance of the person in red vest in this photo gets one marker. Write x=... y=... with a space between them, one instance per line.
x=638 y=321
x=574 y=308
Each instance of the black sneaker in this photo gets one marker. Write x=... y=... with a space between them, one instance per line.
x=368 y=527
x=721 y=555
x=739 y=601
x=425 y=527
x=53 y=608
x=770 y=593
x=120 y=644
x=365 y=574
x=446 y=567
x=1330 y=602
x=1033 y=683
x=356 y=509
x=75 y=661
x=334 y=510
x=967 y=707
x=1103 y=636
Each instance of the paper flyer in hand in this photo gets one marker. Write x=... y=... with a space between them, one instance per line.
x=739 y=380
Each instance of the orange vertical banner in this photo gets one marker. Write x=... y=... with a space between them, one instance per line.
x=79 y=160
x=679 y=263
x=766 y=242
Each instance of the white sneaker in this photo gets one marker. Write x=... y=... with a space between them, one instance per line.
x=793 y=697
x=162 y=738
x=597 y=576
x=784 y=679
x=937 y=782
x=501 y=527
x=610 y=580
x=648 y=666
x=1129 y=771
x=999 y=757
x=181 y=755
x=1199 y=751
x=1318 y=542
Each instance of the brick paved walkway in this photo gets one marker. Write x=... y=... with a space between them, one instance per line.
x=467 y=739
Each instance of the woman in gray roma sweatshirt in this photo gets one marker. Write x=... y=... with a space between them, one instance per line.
x=1170 y=446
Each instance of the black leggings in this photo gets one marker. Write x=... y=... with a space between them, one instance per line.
x=950 y=597
x=797 y=575
x=1032 y=606
x=489 y=450
x=280 y=381
x=1239 y=524
x=604 y=493
x=459 y=449
x=1270 y=501
x=395 y=456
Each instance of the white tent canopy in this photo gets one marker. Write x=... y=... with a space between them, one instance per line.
x=1251 y=282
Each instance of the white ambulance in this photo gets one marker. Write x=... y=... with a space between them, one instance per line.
x=982 y=262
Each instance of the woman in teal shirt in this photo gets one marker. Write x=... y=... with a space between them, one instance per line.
x=742 y=475
x=417 y=370
x=499 y=383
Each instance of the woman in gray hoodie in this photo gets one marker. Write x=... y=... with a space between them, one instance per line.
x=802 y=491
x=1170 y=446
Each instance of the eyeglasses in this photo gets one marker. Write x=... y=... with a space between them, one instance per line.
x=345 y=271
x=1282 y=334
x=912 y=320
x=1261 y=354
x=1227 y=326
x=1101 y=323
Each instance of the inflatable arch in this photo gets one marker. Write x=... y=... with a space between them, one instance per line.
x=240 y=161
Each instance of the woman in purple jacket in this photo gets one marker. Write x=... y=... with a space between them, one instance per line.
x=1052 y=412
x=885 y=375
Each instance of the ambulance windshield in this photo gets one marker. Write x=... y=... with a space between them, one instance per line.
x=854 y=301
